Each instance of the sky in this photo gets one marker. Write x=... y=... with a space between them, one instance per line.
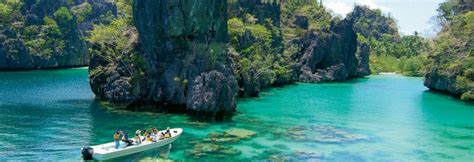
x=411 y=15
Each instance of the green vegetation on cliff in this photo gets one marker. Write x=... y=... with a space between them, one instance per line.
x=187 y=63
x=163 y=55
x=258 y=60
x=48 y=34
x=452 y=60
x=43 y=38
x=256 y=38
x=389 y=52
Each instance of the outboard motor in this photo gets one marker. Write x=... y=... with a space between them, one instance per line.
x=87 y=153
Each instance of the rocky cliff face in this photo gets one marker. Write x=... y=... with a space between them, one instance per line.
x=177 y=53
x=452 y=62
x=455 y=79
x=443 y=81
x=49 y=33
x=325 y=48
x=262 y=10
x=331 y=55
x=183 y=48
x=258 y=17
x=453 y=72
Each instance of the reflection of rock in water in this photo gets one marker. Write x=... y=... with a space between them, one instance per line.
x=321 y=133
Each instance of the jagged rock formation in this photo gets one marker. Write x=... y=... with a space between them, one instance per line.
x=330 y=56
x=183 y=48
x=41 y=34
x=177 y=53
x=262 y=10
x=362 y=56
x=258 y=18
x=370 y=24
x=456 y=80
x=114 y=73
x=443 y=81
x=327 y=48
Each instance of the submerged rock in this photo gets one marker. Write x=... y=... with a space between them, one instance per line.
x=276 y=155
x=197 y=124
x=150 y=159
x=272 y=155
x=216 y=144
x=324 y=134
x=304 y=155
x=279 y=157
x=222 y=139
x=230 y=136
x=240 y=133
x=211 y=150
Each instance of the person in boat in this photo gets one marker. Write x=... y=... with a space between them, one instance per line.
x=162 y=135
x=149 y=138
x=155 y=135
x=153 y=132
x=117 y=138
x=126 y=140
x=144 y=134
x=137 y=136
x=167 y=133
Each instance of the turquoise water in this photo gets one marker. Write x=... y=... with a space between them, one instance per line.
x=50 y=115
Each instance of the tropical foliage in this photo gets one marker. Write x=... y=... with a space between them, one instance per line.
x=453 y=52
x=43 y=33
x=390 y=52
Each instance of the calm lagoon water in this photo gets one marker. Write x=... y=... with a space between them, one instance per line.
x=50 y=115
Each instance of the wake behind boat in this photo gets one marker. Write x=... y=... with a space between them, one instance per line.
x=108 y=151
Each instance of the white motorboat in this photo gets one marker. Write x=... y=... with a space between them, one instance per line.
x=107 y=151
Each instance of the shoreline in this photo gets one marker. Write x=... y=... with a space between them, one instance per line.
x=388 y=73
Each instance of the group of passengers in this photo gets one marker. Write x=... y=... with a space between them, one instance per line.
x=140 y=136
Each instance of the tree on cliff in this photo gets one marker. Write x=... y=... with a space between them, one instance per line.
x=452 y=67
x=389 y=52
x=47 y=34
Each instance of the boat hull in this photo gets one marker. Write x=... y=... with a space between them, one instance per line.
x=102 y=152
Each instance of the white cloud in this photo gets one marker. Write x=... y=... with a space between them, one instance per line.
x=372 y=5
x=340 y=8
x=343 y=7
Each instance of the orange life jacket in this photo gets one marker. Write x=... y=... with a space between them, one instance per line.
x=116 y=136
